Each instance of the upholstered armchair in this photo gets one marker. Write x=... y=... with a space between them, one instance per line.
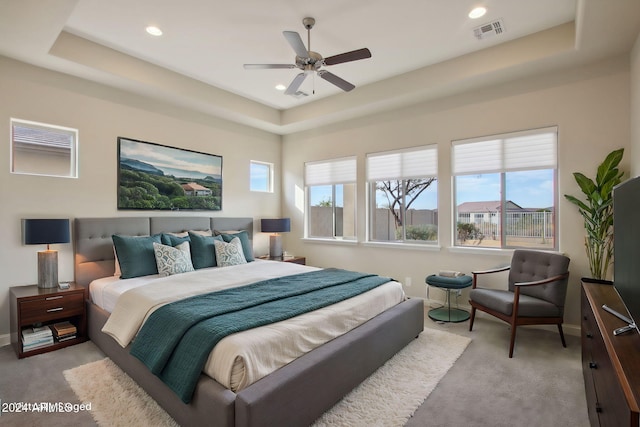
x=537 y=288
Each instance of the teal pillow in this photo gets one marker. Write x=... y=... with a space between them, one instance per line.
x=203 y=251
x=172 y=240
x=136 y=255
x=247 y=249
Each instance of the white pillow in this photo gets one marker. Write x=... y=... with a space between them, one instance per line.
x=118 y=273
x=172 y=260
x=229 y=253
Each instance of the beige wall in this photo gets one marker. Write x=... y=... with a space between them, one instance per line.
x=101 y=115
x=589 y=105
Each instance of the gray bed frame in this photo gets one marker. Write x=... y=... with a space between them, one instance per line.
x=294 y=395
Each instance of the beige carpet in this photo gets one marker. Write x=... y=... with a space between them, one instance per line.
x=388 y=397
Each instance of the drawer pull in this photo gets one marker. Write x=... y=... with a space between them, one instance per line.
x=52 y=298
x=51 y=310
x=589 y=335
x=593 y=365
x=598 y=409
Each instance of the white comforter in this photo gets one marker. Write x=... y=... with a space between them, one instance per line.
x=243 y=358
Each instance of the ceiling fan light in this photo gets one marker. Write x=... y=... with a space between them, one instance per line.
x=477 y=12
x=154 y=31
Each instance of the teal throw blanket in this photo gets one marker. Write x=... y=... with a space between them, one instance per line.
x=175 y=342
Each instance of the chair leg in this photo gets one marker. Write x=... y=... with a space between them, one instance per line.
x=472 y=318
x=564 y=344
x=513 y=340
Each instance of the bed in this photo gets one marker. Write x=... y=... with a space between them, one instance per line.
x=295 y=394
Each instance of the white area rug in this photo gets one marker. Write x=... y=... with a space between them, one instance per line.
x=387 y=398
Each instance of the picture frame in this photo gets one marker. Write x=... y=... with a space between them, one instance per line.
x=152 y=176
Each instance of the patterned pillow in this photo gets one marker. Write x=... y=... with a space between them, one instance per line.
x=172 y=260
x=229 y=253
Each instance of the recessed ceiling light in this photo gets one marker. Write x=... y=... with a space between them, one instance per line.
x=477 y=12
x=154 y=31
x=280 y=87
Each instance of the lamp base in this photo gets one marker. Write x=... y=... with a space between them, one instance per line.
x=47 y=269
x=275 y=246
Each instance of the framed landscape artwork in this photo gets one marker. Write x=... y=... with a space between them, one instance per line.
x=157 y=177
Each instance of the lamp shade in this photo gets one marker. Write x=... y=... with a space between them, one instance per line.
x=46 y=231
x=280 y=225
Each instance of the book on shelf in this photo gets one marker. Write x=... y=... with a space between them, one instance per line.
x=34 y=334
x=63 y=328
x=37 y=344
x=66 y=337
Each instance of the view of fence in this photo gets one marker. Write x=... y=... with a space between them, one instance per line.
x=518 y=224
x=521 y=226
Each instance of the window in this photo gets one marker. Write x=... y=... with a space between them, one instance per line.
x=261 y=176
x=331 y=198
x=42 y=149
x=505 y=190
x=403 y=195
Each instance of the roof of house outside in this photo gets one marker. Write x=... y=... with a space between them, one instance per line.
x=194 y=187
x=487 y=206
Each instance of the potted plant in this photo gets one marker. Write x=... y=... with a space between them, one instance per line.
x=597 y=211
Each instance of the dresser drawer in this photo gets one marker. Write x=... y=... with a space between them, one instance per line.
x=47 y=308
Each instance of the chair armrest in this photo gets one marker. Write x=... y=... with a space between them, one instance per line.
x=493 y=270
x=543 y=281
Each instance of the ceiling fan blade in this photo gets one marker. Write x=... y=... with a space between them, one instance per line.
x=354 y=55
x=332 y=78
x=295 y=84
x=296 y=43
x=267 y=66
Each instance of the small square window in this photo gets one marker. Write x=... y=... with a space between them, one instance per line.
x=261 y=176
x=43 y=149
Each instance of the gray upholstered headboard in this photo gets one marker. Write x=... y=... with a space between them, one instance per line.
x=93 y=246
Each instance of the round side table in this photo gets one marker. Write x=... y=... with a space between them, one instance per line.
x=449 y=284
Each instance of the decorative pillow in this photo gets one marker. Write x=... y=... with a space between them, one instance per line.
x=174 y=240
x=247 y=248
x=229 y=253
x=203 y=252
x=135 y=255
x=202 y=232
x=172 y=260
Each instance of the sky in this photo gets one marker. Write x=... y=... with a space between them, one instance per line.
x=528 y=189
x=173 y=161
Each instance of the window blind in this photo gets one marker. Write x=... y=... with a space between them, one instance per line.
x=527 y=150
x=29 y=136
x=403 y=164
x=328 y=172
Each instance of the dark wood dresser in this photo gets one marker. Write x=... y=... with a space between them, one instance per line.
x=610 y=363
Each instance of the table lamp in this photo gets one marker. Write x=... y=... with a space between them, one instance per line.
x=275 y=226
x=41 y=232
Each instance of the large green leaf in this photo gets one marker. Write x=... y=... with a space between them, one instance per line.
x=597 y=212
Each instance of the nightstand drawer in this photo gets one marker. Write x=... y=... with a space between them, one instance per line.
x=51 y=307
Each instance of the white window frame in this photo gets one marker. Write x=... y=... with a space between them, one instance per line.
x=399 y=165
x=339 y=171
x=46 y=140
x=270 y=176
x=527 y=150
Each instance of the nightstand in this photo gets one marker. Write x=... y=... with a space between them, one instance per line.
x=31 y=305
x=289 y=258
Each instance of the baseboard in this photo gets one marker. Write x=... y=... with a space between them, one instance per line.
x=5 y=340
x=569 y=329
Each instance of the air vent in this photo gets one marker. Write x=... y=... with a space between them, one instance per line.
x=489 y=29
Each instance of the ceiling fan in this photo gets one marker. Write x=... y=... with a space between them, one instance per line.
x=309 y=61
